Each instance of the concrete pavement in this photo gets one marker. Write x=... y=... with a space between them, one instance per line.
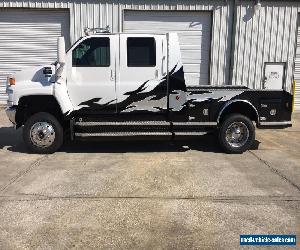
x=147 y=195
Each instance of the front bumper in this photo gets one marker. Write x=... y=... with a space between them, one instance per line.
x=11 y=114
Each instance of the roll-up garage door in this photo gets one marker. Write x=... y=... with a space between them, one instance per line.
x=28 y=38
x=297 y=71
x=194 y=30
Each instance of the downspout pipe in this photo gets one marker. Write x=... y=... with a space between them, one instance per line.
x=232 y=46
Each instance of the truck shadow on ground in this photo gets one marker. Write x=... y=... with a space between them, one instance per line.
x=11 y=140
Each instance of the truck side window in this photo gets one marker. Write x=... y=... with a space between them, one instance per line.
x=141 y=52
x=93 y=52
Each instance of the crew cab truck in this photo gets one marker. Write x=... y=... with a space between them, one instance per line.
x=133 y=86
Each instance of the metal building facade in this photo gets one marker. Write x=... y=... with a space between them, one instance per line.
x=265 y=35
x=243 y=39
x=98 y=13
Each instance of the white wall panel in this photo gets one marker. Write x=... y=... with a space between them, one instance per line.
x=267 y=35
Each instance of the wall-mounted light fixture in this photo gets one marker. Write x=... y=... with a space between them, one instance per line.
x=257 y=5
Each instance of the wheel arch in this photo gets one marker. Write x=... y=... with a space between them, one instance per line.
x=242 y=107
x=32 y=104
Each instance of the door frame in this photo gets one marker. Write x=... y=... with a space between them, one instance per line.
x=112 y=69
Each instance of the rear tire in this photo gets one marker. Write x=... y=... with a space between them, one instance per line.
x=236 y=134
x=43 y=134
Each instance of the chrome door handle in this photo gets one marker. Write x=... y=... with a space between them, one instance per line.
x=163 y=66
x=112 y=75
x=156 y=73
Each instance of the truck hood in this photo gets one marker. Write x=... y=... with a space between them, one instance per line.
x=31 y=81
x=35 y=75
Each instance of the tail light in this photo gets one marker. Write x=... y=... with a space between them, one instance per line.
x=287 y=105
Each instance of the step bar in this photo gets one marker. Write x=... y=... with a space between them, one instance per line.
x=144 y=123
x=134 y=129
x=123 y=134
x=133 y=134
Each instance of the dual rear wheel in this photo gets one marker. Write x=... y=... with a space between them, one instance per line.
x=236 y=134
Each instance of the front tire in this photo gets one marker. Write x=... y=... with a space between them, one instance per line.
x=236 y=134
x=42 y=133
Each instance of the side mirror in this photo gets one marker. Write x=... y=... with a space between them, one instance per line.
x=61 y=50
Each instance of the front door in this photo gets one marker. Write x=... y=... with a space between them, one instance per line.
x=142 y=85
x=91 y=80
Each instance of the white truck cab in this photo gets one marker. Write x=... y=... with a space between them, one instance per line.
x=98 y=71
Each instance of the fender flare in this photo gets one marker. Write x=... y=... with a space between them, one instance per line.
x=233 y=102
x=46 y=95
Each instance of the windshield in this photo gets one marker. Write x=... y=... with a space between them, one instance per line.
x=74 y=44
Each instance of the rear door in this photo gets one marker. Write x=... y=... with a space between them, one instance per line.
x=194 y=29
x=142 y=86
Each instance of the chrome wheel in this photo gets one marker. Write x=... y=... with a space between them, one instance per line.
x=42 y=134
x=237 y=134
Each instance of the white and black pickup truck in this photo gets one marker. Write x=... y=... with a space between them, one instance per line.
x=133 y=86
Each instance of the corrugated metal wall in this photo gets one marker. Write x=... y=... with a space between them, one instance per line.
x=297 y=70
x=267 y=35
x=97 y=13
x=32 y=42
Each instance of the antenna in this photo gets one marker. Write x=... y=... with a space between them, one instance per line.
x=89 y=31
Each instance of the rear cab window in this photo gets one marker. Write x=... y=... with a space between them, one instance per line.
x=141 y=52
